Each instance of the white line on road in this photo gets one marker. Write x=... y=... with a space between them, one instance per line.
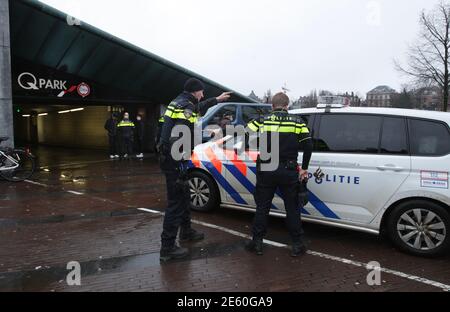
x=151 y=211
x=75 y=193
x=36 y=183
x=76 y=164
x=45 y=185
x=418 y=279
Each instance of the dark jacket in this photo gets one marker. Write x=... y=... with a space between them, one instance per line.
x=139 y=129
x=184 y=110
x=293 y=133
x=111 y=126
x=125 y=129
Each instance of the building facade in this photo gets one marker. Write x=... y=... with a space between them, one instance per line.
x=381 y=96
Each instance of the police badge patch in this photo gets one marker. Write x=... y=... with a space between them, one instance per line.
x=188 y=113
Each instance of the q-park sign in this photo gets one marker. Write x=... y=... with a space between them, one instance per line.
x=29 y=81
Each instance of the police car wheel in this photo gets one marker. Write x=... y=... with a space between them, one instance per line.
x=203 y=192
x=420 y=227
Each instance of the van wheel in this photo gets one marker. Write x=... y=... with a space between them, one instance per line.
x=203 y=192
x=420 y=227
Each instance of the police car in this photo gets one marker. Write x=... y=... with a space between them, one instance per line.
x=375 y=170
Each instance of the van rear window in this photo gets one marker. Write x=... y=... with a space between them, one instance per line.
x=429 y=138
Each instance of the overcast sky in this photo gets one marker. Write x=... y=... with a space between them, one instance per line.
x=338 y=45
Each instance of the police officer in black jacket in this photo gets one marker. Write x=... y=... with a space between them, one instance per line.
x=126 y=130
x=140 y=129
x=111 y=127
x=293 y=136
x=183 y=111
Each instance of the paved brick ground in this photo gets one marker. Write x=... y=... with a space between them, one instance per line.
x=43 y=228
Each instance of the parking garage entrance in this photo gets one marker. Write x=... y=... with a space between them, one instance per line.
x=68 y=77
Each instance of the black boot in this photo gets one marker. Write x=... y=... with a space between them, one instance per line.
x=191 y=235
x=255 y=246
x=173 y=253
x=298 y=249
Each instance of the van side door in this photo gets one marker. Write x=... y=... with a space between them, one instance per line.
x=364 y=159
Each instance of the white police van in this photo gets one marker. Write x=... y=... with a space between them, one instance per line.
x=383 y=171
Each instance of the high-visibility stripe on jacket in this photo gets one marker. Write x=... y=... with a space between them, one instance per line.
x=291 y=129
x=184 y=110
x=126 y=128
x=125 y=124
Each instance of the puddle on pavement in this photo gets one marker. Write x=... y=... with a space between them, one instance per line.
x=45 y=278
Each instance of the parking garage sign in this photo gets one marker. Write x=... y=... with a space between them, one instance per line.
x=31 y=82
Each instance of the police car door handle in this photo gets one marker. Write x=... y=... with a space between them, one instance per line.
x=390 y=167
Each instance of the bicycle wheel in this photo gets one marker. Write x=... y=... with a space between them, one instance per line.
x=24 y=171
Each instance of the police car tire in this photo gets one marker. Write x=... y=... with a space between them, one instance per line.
x=214 y=196
x=424 y=205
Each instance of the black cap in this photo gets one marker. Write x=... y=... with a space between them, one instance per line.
x=193 y=85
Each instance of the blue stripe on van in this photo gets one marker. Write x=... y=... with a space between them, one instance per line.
x=322 y=207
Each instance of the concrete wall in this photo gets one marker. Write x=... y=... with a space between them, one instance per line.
x=6 y=116
x=21 y=129
x=78 y=129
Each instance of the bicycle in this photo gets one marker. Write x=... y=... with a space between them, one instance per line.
x=16 y=165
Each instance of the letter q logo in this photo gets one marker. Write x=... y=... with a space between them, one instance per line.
x=28 y=81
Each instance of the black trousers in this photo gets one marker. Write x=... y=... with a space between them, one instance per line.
x=113 y=145
x=139 y=145
x=127 y=146
x=178 y=213
x=266 y=186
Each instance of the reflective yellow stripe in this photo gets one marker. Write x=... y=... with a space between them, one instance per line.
x=253 y=127
x=161 y=119
x=285 y=127
x=304 y=130
x=125 y=124
x=284 y=123
x=192 y=119
x=173 y=112
x=281 y=123
x=281 y=129
x=169 y=113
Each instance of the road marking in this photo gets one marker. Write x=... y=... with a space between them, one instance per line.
x=36 y=183
x=75 y=193
x=415 y=278
x=151 y=211
x=75 y=164
x=47 y=186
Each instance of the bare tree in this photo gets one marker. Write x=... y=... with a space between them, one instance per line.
x=428 y=58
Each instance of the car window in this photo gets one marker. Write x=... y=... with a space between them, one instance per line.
x=429 y=138
x=225 y=115
x=393 y=137
x=348 y=133
x=250 y=113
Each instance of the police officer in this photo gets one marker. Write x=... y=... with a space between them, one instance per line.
x=140 y=129
x=293 y=136
x=111 y=127
x=126 y=131
x=158 y=133
x=184 y=110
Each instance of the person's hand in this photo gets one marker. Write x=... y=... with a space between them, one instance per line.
x=224 y=97
x=303 y=175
